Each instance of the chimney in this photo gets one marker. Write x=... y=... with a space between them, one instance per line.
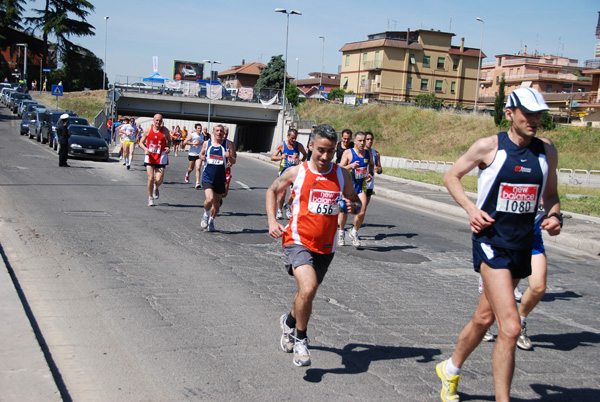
x=408 y=36
x=462 y=45
x=525 y=51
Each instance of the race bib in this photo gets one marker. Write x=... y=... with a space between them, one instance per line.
x=323 y=202
x=361 y=172
x=154 y=148
x=214 y=159
x=517 y=198
x=293 y=159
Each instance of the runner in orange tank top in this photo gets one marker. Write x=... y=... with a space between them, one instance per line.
x=309 y=238
x=155 y=142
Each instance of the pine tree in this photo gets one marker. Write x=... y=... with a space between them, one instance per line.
x=11 y=13
x=272 y=75
x=499 y=103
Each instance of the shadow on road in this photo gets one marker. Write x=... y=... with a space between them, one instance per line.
x=547 y=393
x=357 y=357
x=565 y=342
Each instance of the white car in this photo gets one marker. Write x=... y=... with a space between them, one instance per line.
x=188 y=71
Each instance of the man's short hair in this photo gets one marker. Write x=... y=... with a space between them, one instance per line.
x=368 y=133
x=347 y=130
x=219 y=125
x=292 y=131
x=324 y=131
x=359 y=133
x=197 y=124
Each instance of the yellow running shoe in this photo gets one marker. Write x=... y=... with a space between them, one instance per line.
x=449 y=384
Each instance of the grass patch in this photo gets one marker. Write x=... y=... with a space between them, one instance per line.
x=586 y=206
x=85 y=103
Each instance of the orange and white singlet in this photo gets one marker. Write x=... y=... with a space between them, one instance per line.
x=314 y=209
x=156 y=144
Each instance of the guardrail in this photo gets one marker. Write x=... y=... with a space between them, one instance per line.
x=572 y=177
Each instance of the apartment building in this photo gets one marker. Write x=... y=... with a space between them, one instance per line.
x=546 y=73
x=399 y=65
x=244 y=75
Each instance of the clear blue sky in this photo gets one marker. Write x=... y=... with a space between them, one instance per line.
x=230 y=31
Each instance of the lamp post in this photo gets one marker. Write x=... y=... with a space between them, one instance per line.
x=297 y=68
x=24 y=76
x=105 y=37
x=479 y=64
x=287 y=31
x=321 y=77
x=207 y=94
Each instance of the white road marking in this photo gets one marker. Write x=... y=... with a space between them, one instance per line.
x=243 y=185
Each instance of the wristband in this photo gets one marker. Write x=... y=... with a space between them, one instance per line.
x=558 y=216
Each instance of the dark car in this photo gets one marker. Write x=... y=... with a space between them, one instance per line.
x=48 y=130
x=32 y=107
x=16 y=100
x=35 y=124
x=23 y=106
x=87 y=142
x=24 y=127
x=71 y=120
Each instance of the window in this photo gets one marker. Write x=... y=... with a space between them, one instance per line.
x=497 y=80
x=376 y=59
x=438 y=85
x=364 y=57
x=412 y=59
x=453 y=87
x=499 y=61
x=424 y=84
x=548 y=89
x=455 y=64
x=409 y=83
x=426 y=62
x=345 y=83
x=362 y=80
x=440 y=62
x=347 y=59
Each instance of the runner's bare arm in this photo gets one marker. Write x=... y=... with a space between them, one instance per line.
x=378 y=168
x=346 y=158
x=349 y=193
x=167 y=135
x=478 y=155
x=278 y=153
x=232 y=154
x=280 y=184
x=550 y=196
x=303 y=152
x=143 y=141
x=203 y=151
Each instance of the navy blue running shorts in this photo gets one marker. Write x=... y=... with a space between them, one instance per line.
x=297 y=255
x=517 y=261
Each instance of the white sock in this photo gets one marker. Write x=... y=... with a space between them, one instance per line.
x=354 y=232
x=206 y=213
x=451 y=369
x=523 y=319
x=341 y=232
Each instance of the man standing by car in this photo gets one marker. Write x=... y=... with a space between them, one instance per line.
x=63 y=140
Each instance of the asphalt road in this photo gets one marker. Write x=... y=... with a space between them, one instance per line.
x=138 y=304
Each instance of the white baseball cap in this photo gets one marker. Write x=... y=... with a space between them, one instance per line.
x=529 y=99
x=64 y=116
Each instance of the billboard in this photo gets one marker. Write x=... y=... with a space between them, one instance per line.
x=187 y=70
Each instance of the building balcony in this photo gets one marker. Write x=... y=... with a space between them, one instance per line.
x=371 y=65
x=528 y=60
x=546 y=76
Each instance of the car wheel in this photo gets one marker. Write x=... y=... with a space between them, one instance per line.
x=38 y=137
x=50 y=142
x=54 y=146
x=43 y=140
x=30 y=136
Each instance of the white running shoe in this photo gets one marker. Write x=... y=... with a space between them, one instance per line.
x=489 y=337
x=523 y=342
x=279 y=214
x=354 y=238
x=341 y=238
x=150 y=201
x=156 y=193
x=288 y=211
x=204 y=222
x=518 y=294
x=301 y=353
x=187 y=178
x=287 y=338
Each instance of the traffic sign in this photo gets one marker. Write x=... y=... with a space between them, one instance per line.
x=57 y=90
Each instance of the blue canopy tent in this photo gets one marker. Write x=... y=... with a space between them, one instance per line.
x=156 y=77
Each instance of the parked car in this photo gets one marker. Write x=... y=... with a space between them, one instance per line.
x=23 y=106
x=32 y=107
x=17 y=97
x=35 y=124
x=48 y=130
x=87 y=142
x=4 y=94
x=24 y=127
x=71 y=120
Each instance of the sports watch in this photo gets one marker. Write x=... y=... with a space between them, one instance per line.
x=559 y=216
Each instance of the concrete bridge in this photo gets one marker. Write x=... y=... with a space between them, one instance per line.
x=258 y=127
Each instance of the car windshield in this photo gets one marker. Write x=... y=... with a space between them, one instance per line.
x=87 y=131
x=54 y=118
x=78 y=120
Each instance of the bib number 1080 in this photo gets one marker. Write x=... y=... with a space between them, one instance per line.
x=520 y=207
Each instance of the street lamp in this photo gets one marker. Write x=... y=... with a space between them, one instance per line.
x=321 y=77
x=105 y=37
x=24 y=77
x=479 y=64
x=207 y=94
x=287 y=31
x=297 y=68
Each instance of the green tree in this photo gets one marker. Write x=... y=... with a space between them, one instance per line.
x=63 y=19
x=336 y=93
x=293 y=94
x=272 y=75
x=499 y=103
x=11 y=14
x=546 y=121
x=428 y=100
x=81 y=70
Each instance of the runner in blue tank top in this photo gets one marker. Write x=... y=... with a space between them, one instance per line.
x=359 y=161
x=516 y=171
x=215 y=154
x=289 y=153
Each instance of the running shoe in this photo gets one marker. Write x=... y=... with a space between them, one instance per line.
x=279 y=214
x=198 y=185
x=449 y=384
x=150 y=201
x=488 y=337
x=211 y=225
x=287 y=338
x=341 y=238
x=187 y=178
x=124 y=163
x=518 y=294
x=354 y=238
x=288 y=211
x=301 y=353
x=128 y=167
x=480 y=284
x=524 y=342
x=156 y=193
x=204 y=223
